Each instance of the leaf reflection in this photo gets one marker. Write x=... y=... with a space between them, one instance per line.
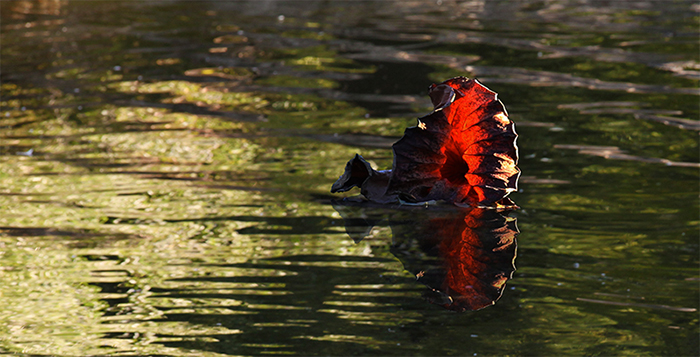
x=464 y=256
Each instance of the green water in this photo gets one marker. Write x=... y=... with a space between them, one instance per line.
x=165 y=170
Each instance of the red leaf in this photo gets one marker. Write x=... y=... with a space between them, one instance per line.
x=463 y=152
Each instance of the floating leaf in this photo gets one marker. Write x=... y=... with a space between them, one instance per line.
x=464 y=152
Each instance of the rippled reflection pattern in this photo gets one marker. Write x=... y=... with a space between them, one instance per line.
x=464 y=256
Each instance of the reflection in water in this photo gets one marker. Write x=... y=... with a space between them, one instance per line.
x=39 y=7
x=613 y=152
x=464 y=256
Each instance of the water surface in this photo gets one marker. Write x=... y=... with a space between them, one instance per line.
x=165 y=171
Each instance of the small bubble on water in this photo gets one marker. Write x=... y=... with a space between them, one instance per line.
x=23 y=108
x=280 y=18
x=76 y=90
x=139 y=78
x=64 y=29
x=117 y=68
x=474 y=335
x=576 y=265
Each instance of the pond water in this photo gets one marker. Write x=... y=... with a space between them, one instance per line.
x=165 y=170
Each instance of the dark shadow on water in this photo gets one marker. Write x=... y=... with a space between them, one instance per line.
x=290 y=302
x=464 y=256
x=74 y=238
